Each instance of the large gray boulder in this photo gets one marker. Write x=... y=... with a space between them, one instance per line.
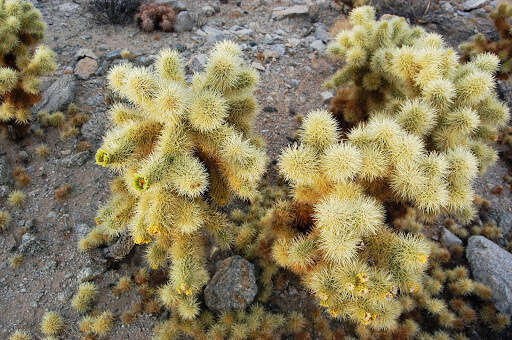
x=492 y=265
x=233 y=286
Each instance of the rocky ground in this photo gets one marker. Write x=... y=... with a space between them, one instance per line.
x=283 y=39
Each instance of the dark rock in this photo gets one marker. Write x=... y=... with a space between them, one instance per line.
x=120 y=248
x=29 y=244
x=5 y=177
x=492 y=265
x=112 y=55
x=23 y=157
x=233 y=286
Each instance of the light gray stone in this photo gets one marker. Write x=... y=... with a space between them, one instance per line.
x=197 y=63
x=58 y=95
x=274 y=51
x=89 y=273
x=213 y=34
x=146 y=60
x=233 y=286
x=321 y=33
x=492 y=265
x=326 y=96
x=318 y=45
x=81 y=230
x=174 y=4
x=280 y=13
x=96 y=126
x=84 y=52
x=68 y=7
x=258 y=66
x=207 y=11
x=184 y=22
x=449 y=239
x=470 y=5
x=77 y=159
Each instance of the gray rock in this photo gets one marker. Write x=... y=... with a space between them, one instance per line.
x=69 y=7
x=81 y=230
x=326 y=96
x=318 y=45
x=184 y=22
x=58 y=95
x=473 y=4
x=274 y=51
x=213 y=34
x=4 y=190
x=233 y=286
x=174 y=4
x=29 y=244
x=280 y=13
x=321 y=33
x=258 y=66
x=23 y=156
x=197 y=63
x=5 y=177
x=77 y=159
x=145 y=60
x=120 y=248
x=502 y=218
x=492 y=265
x=208 y=11
x=95 y=127
x=89 y=273
x=84 y=52
x=449 y=239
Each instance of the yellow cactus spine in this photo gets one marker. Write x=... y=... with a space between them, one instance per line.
x=21 y=30
x=403 y=74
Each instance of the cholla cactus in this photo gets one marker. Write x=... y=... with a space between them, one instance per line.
x=333 y=229
x=502 y=47
x=399 y=71
x=181 y=149
x=21 y=29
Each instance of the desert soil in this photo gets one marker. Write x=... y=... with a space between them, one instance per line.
x=293 y=68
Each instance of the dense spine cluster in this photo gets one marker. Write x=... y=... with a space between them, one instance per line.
x=410 y=75
x=410 y=81
x=333 y=234
x=21 y=29
x=182 y=149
